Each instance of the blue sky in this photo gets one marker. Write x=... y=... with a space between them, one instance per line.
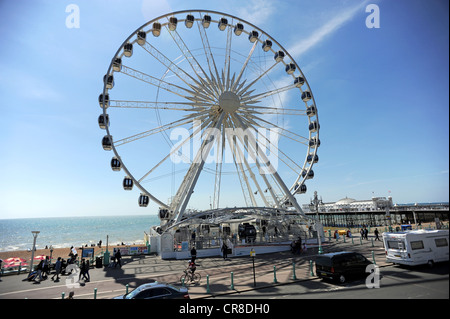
x=382 y=95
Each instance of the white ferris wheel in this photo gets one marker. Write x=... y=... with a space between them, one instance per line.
x=206 y=112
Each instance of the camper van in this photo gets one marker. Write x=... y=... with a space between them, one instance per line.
x=416 y=247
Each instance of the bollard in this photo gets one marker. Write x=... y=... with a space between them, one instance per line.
x=207 y=285
x=373 y=257
x=353 y=241
x=95 y=293
x=311 y=267
x=344 y=237
x=182 y=282
x=20 y=266
x=126 y=289
x=360 y=240
x=372 y=241
x=232 y=284
x=62 y=295
x=275 y=274
x=294 y=277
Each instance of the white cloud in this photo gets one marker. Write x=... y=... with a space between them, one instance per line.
x=327 y=29
x=257 y=11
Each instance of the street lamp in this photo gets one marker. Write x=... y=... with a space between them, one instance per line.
x=314 y=205
x=35 y=234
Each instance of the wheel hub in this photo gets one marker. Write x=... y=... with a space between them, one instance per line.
x=229 y=102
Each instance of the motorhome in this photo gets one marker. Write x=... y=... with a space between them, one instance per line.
x=416 y=247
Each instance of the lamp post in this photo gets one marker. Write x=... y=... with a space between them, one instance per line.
x=315 y=205
x=35 y=234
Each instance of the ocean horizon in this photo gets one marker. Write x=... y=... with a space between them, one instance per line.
x=61 y=232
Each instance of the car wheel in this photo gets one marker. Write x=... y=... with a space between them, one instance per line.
x=342 y=279
x=430 y=263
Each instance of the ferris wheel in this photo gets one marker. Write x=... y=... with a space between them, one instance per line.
x=204 y=110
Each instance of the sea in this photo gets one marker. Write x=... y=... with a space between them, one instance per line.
x=61 y=232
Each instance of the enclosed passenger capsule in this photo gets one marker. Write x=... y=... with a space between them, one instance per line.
x=222 y=24
x=115 y=164
x=308 y=175
x=314 y=126
x=163 y=213
x=117 y=64
x=253 y=36
x=127 y=183
x=238 y=29
x=311 y=158
x=103 y=101
x=109 y=81
x=301 y=189
x=141 y=36
x=107 y=143
x=267 y=44
x=206 y=21
x=103 y=121
x=279 y=56
x=128 y=50
x=306 y=96
x=314 y=142
x=311 y=110
x=173 y=23
x=299 y=81
x=189 y=22
x=290 y=68
x=156 y=31
x=143 y=200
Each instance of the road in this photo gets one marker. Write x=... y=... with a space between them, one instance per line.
x=395 y=283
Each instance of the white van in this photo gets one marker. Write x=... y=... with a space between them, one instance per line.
x=416 y=247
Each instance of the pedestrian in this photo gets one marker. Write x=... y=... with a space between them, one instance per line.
x=82 y=269
x=376 y=232
x=224 y=250
x=86 y=271
x=46 y=267
x=1 y=269
x=118 y=256
x=57 y=269
x=39 y=271
x=193 y=254
x=366 y=233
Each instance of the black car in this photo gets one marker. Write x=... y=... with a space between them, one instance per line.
x=341 y=266
x=156 y=290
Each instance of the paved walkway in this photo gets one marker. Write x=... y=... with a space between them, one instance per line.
x=270 y=270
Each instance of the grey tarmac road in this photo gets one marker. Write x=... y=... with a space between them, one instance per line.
x=395 y=283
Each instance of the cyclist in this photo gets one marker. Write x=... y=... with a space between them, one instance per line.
x=192 y=267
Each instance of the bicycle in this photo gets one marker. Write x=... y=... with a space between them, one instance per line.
x=189 y=277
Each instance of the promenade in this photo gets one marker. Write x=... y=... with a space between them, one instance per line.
x=219 y=277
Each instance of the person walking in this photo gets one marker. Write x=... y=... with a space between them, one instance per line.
x=86 y=271
x=118 y=256
x=224 y=250
x=82 y=269
x=57 y=269
x=193 y=254
x=377 y=233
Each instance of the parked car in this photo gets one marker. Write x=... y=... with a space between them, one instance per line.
x=341 y=266
x=156 y=290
